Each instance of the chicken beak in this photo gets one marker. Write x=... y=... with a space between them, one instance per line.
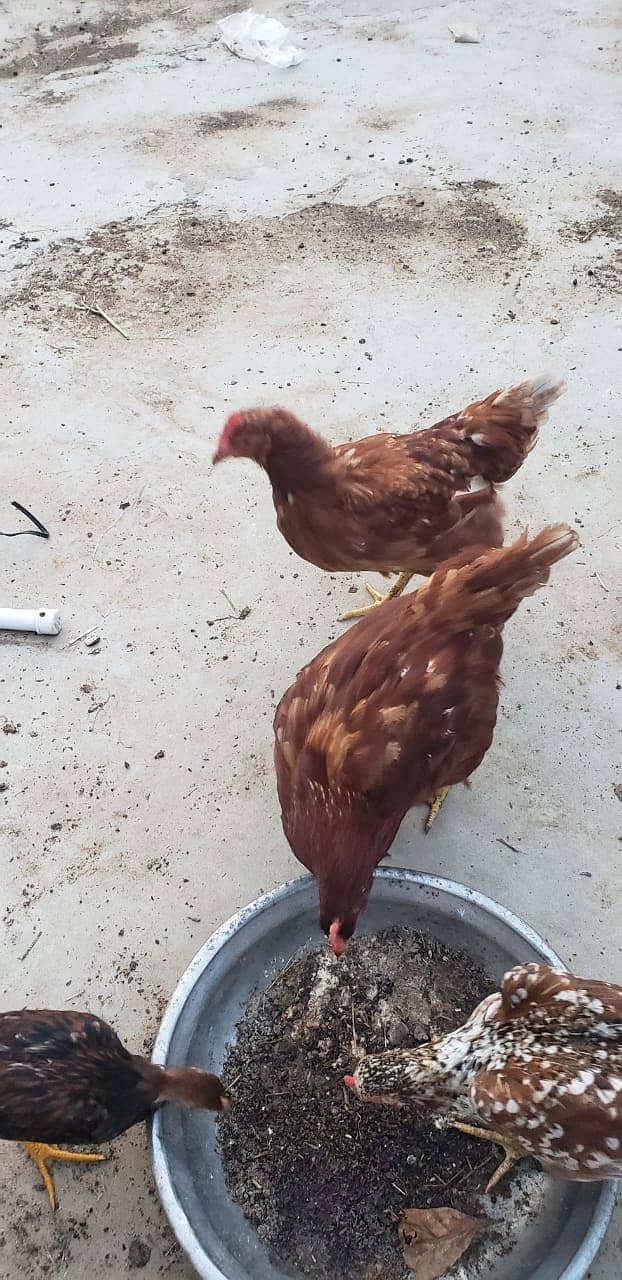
x=337 y=944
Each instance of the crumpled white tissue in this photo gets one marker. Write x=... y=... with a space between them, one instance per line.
x=252 y=35
x=465 y=35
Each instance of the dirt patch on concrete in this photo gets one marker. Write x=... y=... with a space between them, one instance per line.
x=100 y=41
x=606 y=224
x=479 y=222
x=278 y=113
x=50 y=99
x=178 y=265
x=50 y=1243
x=181 y=133
x=381 y=124
x=607 y=221
x=78 y=44
x=475 y=185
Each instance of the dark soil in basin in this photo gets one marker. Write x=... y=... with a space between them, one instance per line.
x=324 y=1178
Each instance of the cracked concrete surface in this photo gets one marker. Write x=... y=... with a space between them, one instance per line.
x=372 y=238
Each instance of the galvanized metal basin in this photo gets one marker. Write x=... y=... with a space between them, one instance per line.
x=554 y=1227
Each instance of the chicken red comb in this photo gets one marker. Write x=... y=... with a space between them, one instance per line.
x=349 y=1081
x=222 y=451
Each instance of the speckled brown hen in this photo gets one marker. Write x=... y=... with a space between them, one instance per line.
x=392 y=503
x=393 y=713
x=66 y=1077
x=537 y=1068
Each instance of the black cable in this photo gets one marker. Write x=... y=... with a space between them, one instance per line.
x=39 y=532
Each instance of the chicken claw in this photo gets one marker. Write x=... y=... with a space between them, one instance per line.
x=41 y=1152
x=512 y=1154
x=436 y=806
x=377 y=597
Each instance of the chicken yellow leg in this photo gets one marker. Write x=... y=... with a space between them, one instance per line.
x=40 y=1152
x=396 y=589
x=436 y=806
x=512 y=1154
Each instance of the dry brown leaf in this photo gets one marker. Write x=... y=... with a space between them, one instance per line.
x=433 y=1239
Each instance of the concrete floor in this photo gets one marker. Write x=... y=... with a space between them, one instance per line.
x=396 y=226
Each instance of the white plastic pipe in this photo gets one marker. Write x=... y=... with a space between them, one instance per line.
x=45 y=622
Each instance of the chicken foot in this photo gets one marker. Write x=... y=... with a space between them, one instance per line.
x=41 y=1152
x=436 y=806
x=512 y=1154
x=395 y=590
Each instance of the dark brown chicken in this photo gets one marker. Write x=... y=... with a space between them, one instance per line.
x=66 y=1077
x=538 y=1065
x=392 y=503
x=393 y=713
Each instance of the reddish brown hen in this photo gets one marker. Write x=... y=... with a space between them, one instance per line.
x=394 y=712
x=392 y=503
x=539 y=1064
x=66 y=1077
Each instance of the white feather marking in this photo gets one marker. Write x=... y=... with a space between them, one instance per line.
x=598 y=1160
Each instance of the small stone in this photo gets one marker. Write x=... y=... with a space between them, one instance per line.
x=420 y=1032
x=397 y=1033
x=159 y=755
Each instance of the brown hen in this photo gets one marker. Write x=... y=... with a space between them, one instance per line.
x=537 y=1068
x=399 y=707
x=66 y=1077
x=392 y=503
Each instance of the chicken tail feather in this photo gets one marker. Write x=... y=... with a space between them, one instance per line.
x=490 y=588
x=503 y=428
